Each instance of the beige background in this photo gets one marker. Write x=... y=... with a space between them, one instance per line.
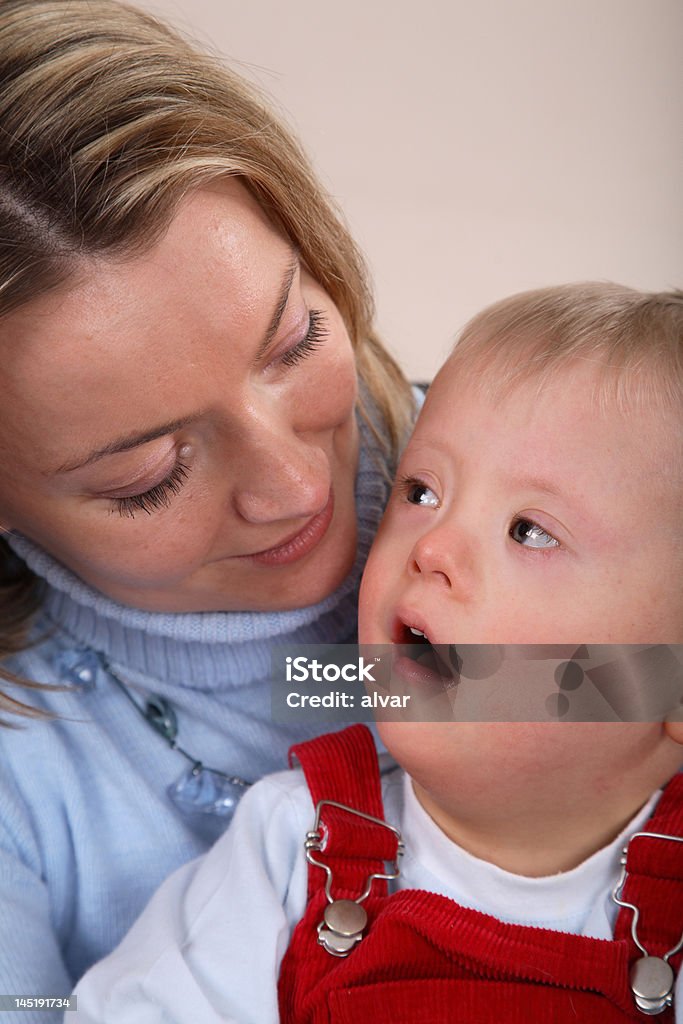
x=477 y=147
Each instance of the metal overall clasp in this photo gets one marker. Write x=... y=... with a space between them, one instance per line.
x=344 y=920
x=651 y=977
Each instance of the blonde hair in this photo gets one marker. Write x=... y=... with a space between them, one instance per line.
x=108 y=118
x=634 y=339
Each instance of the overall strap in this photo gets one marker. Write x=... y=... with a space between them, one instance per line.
x=343 y=767
x=654 y=878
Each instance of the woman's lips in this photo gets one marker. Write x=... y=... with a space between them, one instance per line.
x=298 y=546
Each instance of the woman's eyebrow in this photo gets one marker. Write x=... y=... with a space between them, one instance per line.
x=124 y=444
x=283 y=299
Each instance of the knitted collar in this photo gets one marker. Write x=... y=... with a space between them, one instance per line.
x=208 y=650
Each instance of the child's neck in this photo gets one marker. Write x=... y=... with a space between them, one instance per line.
x=538 y=799
x=536 y=844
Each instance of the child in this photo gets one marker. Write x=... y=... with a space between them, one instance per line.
x=539 y=501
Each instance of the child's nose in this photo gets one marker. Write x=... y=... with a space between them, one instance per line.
x=446 y=560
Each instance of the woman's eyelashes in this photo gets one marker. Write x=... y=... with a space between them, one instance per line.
x=156 y=497
x=315 y=335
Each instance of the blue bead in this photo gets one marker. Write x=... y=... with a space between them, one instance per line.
x=78 y=667
x=201 y=790
x=161 y=716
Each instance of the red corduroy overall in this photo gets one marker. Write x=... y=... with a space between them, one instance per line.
x=424 y=959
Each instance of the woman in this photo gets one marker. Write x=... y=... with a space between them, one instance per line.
x=184 y=481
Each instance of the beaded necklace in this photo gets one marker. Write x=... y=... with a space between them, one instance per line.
x=199 y=789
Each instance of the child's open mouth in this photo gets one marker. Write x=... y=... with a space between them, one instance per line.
x=417 y=660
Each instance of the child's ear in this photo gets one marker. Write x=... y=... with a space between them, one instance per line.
x=673 y=727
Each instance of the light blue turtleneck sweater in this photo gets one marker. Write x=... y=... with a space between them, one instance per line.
x=87 y=830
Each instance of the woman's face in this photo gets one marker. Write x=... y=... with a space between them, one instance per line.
x=178 y=428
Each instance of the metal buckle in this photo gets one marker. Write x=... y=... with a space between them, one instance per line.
x=344 y=920
x=651 y=977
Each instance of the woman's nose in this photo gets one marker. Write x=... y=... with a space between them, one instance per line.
x=445 y=557
x=279 y=476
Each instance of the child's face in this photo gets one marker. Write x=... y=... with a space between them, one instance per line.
x=530 y=520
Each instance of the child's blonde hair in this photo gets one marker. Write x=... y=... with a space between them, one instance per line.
x=635 y=340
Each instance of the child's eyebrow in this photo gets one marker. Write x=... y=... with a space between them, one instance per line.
x=537 y=483
x=529 y=481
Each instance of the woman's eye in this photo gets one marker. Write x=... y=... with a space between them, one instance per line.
x=417 y=493
x=315 y=336
x=156 y=497
x=531 y=535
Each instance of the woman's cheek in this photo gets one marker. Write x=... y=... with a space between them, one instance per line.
x=145 y=549
x=327 y=382
x=342 y=389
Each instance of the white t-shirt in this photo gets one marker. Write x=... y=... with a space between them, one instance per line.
x=209 y=945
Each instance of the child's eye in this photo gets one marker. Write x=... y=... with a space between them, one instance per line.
x=156 y=497
x=417 y=493
x=531 y=535
x=315 y=336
